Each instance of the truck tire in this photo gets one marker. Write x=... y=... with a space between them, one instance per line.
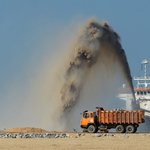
x=91 y=129
x=130 y=129
x=120 y=129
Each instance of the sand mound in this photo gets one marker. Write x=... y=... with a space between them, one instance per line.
x=25 y=129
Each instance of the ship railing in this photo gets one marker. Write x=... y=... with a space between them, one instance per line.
x=141 y=78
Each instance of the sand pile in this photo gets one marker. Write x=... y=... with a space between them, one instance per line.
x=25 y=129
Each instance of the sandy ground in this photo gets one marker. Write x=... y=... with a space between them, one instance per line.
x=89 y=141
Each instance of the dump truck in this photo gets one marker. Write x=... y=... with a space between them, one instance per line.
x=122 y=120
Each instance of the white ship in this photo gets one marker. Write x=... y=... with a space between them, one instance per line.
x=142 y=92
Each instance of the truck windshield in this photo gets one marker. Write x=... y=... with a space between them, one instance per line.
x=86 y=115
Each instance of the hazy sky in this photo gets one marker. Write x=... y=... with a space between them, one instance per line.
x=26 y=24
x=29 y=27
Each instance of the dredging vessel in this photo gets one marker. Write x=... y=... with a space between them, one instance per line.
x=141 y=91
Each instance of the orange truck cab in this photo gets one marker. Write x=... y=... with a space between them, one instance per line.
x=88 y=119
x=122 y=120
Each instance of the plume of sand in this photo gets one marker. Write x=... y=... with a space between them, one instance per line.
x=97 y=43
x=59 y=84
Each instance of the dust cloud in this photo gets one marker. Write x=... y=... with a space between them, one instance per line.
x=98 y=61
x=96 y=43
x=84 y=71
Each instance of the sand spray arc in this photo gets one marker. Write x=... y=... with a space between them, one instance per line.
x=96 y=42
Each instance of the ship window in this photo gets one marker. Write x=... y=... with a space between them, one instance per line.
x=137 y=93
x=148 y=91
x=144 y=92
x=141 y=92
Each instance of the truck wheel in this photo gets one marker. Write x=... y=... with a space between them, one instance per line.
x=120 y=129
x=91 y=129
x=130 y=129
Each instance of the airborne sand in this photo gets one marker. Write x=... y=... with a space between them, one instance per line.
x=81 y=73
x=96 y=44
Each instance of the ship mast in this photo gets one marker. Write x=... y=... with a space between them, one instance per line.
x=145 y=78
x=145 y=63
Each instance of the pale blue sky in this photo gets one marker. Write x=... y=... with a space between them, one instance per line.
x=23 y=22
x=26 y=25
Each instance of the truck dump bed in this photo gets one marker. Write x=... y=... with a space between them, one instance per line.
x=120 y=117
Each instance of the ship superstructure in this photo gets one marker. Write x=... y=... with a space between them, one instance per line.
x=141 y=91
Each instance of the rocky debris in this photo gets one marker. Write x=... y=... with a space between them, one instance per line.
x=123 y=135
x=143 y=134
x=103 y=135
x=38 y=135
x=78 y=135
x=110 y=135
x=81 y=135
x=98 y=135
